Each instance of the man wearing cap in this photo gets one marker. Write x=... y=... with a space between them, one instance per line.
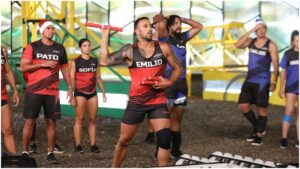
x=42 y=60
x=258 y=83
x=169 y=30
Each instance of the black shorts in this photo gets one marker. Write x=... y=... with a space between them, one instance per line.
x=177 y=90
x=86 y=96
x=3 y=102
x=255 y=93
x=135 y=114
x=34 y=102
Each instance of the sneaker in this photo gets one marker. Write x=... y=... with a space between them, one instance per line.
x=51 y=158
x=297 y=144
x=58 y=150
x=95 y=149
x=79 y=149
x=257 y=141
x=32 y=148
x=149 y=138
x=175 y=154
x=25 y=154
x=283 y=143
x=251 y=137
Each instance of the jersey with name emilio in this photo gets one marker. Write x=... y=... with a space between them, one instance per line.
x=85 y=75
x=259 y=64
x=4 y=95
x=45 y=81
x=142 y=67
x=290 y=62
x=178 y=45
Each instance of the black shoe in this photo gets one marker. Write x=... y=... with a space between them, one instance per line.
x=32 y=148
x=297 y=144
x=25 y=154
x=51 y=158
x=95 y=149
x=283 y=143
x=257 y=141
x=79 y=149
x=58 y=150
x=149 y=138
x=251 y=137
x=175 y=154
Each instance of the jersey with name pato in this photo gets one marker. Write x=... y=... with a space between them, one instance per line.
x=45 y=81
x=259 y=64
x=142 y=67
x=85 y=75
x=290 y=62
x=4 y=95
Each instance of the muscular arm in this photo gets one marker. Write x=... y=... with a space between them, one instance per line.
x=196 y=27
x=116 y=57
x=11 y=78
x=99 y=81
x=72 y=74
x=245 y=41
x=173 y=62
x=274 y=57
x=161 y=29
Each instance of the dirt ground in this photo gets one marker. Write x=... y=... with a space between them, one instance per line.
x=208 y=126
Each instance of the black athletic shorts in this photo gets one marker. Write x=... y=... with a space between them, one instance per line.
x=3 y=102
x=86 y=96
x=178 y=89
x=254 y=93
x=135 y=114
x=34 y=102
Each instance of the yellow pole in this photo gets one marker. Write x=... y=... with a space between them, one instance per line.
x=24 y=30
x=33 y=26
x=71 y=21
x=189 y=81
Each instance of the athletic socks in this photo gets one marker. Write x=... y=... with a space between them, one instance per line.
x=262 y=123
x=250 y=116
x=176 y=141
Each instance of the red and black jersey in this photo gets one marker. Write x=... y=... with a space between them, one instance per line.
x=4 y=95
x=142 y=67
x=85 y=75
x=45 y=81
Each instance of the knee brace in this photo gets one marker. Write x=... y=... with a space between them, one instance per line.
x=287 y=118
x=164 y=138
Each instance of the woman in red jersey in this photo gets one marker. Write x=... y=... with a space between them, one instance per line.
x=85 y=73
x=6 y=112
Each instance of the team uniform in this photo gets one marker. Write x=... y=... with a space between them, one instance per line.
x=144 y=99
x=290 y=62
x=179 y=88
x=4 y=95
x=85 y=77
x=42 y=84
x=255 y=89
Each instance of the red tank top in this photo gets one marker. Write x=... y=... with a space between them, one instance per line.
x=147 y=67
x=85 y=75
x=4 y=95
x=44 y=81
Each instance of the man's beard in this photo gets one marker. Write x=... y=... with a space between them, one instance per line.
x=148 y=39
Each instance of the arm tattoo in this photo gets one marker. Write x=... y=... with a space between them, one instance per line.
x=117 y=57
x=172 y=55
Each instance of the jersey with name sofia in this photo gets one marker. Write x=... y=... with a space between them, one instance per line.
x=290 y=62
x=45 y=81
x=259 y=63
x=142 y=67
x=85 y=75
